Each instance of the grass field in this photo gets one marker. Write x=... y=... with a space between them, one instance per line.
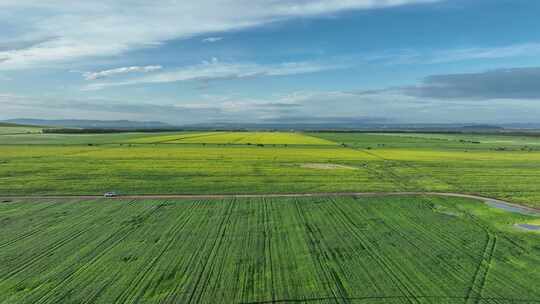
x=312 y=250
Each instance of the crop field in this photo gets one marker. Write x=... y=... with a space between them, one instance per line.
x=506 y=167
x=273 y=162
x=241 y=138
x=379 y=249
x=494 y=140
x=416 y=249
x=436 y=141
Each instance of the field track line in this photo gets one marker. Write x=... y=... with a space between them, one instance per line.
x=481 y=273
x=379 y=298
x=488 y=200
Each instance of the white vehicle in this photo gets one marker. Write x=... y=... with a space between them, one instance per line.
x=110 y=194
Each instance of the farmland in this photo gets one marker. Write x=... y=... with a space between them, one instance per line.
x=322 y=249
x=505 y=167
x=7 y=128
x=416 y=249
x=240 y=138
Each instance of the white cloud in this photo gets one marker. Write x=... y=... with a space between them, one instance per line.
x=212 y=39
x=216 y=70
x=81 y=29
x=299 y=107
x=515 y=50
x=399 y=107
x=452 y=55
x=122 y=70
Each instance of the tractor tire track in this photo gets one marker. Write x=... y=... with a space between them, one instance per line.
x=134 y=285
x=108 y=245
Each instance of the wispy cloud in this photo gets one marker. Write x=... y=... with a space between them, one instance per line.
x=212 y=39
x=391 y=105
x=507 y=51
x=84 y=29
x=122 y=70
x=458 y=54
x=215 y=70
x=521 y=84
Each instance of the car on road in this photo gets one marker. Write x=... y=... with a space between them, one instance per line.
x=110 y=195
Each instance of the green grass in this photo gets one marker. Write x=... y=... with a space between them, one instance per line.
x=174 y=163
x=316 y=250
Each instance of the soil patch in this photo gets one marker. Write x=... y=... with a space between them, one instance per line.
x=327 y=166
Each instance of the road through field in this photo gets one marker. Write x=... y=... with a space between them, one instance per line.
x=490 y=201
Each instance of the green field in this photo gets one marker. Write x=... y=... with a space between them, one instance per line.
x=274 y=162
x=382 y=249
x=7 y=128
x=316 y=250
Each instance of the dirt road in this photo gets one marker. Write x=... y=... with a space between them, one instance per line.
x=490 y=201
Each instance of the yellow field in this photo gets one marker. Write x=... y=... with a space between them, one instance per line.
x=433 y=155
x=242 y=138
x=163 y=139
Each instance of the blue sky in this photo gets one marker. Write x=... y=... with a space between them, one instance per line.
x=182 y=62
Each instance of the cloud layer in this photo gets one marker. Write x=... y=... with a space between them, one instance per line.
x=215 y=70
x=65 y=30
x=212 y=39
x=122 y=70
x=516 y=83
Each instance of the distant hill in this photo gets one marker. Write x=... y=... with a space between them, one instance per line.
x=345 y=126
x=15 y=125
x=366 y=127
x=482 y=127
x=92 y=124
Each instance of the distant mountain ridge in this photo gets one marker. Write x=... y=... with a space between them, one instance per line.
x=126 y=125
x=15 y=125
x=92 y=124
x=351 y=126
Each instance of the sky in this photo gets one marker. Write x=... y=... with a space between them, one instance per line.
x=271 y=61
